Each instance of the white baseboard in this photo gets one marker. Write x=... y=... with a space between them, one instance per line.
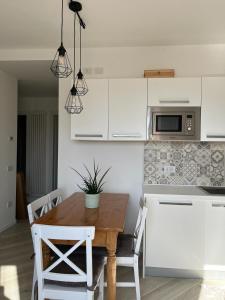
x=8 y=225
x=210 y=274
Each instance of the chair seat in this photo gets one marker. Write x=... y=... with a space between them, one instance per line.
x=80 y=261
x=125 y=245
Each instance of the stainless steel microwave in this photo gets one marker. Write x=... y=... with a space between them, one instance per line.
x=174 y=123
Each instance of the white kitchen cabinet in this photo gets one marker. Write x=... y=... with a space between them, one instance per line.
x=175 y=232
x=127 y=109
x=214 y=235
x=174 y=92
x=213 y=109
x=92 y=123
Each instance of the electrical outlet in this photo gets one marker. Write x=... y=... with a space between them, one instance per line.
x=169 y=170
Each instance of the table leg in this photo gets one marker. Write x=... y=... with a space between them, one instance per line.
x=111 y=265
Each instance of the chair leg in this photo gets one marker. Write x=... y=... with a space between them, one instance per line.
x=90 y=295
x=101 y=287
x=34 y=283
x=136 y=279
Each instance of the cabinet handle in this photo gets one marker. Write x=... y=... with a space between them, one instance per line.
x=127 y=135
x=218 y=204
x=188 y=203
x=89 y=135
x=216 y=136
x=174 y=101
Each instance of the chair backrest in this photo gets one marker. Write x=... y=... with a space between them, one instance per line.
x=79 y=235
x=38 y=208
x=140 y=226
x=55 y=197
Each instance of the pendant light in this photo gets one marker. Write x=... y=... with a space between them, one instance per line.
x=73 y=103
x=61 y=66
x=81 y=84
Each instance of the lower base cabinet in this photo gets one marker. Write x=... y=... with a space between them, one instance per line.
x=215 y=235
x=185 y=236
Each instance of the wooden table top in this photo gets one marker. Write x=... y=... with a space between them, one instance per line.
x=110 y=216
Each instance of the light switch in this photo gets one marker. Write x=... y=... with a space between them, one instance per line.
x=9 y=204
x=9 y=168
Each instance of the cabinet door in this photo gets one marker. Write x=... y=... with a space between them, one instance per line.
x=175 y=233
x=92 y=123
x=215 y=235
x=127 y=109
x=174 y=92
x=213 y=109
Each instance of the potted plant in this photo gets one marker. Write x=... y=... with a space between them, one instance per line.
x=92 y=185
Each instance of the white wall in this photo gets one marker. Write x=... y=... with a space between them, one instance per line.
x=126 y=159
x=31 y=104
x=8 y=128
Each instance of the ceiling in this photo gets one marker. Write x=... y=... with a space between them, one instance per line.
x=35 y=24
x=35 y=77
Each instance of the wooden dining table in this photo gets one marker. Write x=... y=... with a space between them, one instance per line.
x=108 y=219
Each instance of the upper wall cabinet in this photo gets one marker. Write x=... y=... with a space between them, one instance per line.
x=213 y=109
x=174 y=92
x=92 y=123
x=127 y=109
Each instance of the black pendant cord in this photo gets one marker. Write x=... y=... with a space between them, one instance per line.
x=74 y=49
x=81 y=20
x=80 y=47
x=62 y=23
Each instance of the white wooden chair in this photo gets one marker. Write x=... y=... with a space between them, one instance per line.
x=128 y=250
x=55 y=197
x=67 y=277
x=37 y=209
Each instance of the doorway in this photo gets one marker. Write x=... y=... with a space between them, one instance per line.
x=37 y=152
x=37 y=140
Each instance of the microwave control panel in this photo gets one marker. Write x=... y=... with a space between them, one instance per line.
x=189 y=124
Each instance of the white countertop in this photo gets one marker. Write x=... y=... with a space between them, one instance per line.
x=176 y=190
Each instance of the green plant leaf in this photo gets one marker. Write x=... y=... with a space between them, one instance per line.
x=92 y=184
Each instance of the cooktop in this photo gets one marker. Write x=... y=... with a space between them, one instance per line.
x=214 y=190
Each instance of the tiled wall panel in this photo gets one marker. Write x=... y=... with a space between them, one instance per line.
x=194 y=163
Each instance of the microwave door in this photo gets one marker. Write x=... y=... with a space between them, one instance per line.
x=168 y=124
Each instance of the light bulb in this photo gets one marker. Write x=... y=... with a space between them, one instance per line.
x=61 y=60
x=61 y=64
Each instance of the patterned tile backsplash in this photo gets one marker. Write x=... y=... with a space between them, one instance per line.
x=182 y=163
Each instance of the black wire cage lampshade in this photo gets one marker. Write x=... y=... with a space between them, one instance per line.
x=73 y=103
x=61 y=66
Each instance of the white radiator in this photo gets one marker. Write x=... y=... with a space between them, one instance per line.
x=36 y=155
